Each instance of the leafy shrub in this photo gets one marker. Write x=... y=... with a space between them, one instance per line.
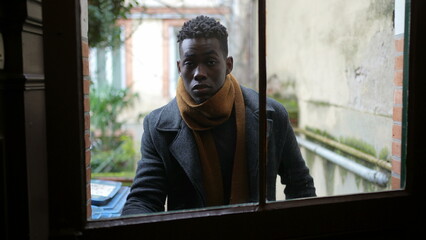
x=112 y=148
x=103 y=16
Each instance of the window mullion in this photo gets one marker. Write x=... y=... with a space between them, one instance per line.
x=262 y=101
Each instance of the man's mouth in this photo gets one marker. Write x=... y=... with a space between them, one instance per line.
x=201 y=88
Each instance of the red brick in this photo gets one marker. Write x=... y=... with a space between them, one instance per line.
x=88 y=174
x=88 y=202
x=396 y=149
x=396 y=166
x=87 y=140
x=85 y=49
x=87 y=121
x=86 y=104
x=86 y=86
x=397 y=114
x=396 y=182
x=396 y=131
x=398 y=78
x=399 y=62
x=88 y=157
x=397 y=96
x=88 y=190
x=399 y=45
x=89 y=210
x=86 y=71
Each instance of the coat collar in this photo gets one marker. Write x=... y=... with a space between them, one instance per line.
x=170 y=119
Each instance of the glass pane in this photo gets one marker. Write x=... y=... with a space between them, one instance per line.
x=337 y=67
x=133 y=73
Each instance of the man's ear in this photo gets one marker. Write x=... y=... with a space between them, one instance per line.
x=178 y=66
x=229 y=65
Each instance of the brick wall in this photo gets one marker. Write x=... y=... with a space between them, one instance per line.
x=86 y=88
x=397 y=112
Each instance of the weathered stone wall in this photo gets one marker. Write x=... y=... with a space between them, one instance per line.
x=337 y=58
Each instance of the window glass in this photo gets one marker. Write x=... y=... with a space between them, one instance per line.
x=133 y=72
x=337 y=67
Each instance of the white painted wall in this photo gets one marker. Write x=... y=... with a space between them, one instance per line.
x=399 y=16
x=147 y=57
x=84 y=18
x=340 y=57
x=337 y=58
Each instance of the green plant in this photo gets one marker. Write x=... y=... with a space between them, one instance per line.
x=103 y=16
x=321 y=133
x=384 y=154
x=112 y=148
x=118 y=159
x=360 y=145
x=290 y=105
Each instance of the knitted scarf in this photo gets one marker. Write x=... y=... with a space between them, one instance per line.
x=201 y=118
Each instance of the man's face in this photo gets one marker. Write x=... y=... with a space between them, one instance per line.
x=203 y=67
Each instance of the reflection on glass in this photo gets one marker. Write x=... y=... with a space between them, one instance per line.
x=337 y=68
x=138 y=75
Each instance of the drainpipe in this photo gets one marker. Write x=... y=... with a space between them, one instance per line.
x=368 y=174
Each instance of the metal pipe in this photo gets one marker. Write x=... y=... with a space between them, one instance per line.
x=381 y=163
x=368 y=174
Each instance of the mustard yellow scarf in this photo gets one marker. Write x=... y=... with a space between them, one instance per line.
x=201 y=118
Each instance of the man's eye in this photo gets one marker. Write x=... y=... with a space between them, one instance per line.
x=188 y=63
x=211 y=62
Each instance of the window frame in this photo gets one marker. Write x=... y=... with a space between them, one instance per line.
x=374 y=214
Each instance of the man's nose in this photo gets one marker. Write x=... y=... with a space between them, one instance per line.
x=200 y=73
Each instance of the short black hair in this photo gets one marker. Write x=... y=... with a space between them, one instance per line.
x=204 y=27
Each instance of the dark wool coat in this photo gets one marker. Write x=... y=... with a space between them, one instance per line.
x=170 y=166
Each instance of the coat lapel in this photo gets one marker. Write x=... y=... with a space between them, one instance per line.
x=252 y=153
x=252 y=138
x=184 y=150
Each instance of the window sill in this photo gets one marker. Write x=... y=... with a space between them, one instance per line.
x=323 y=215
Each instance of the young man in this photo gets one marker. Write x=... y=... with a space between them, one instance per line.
x=201 y=149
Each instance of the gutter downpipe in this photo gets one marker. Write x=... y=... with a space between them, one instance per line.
x=368 y=174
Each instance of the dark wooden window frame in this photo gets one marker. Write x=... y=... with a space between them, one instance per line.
x=358 y=216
